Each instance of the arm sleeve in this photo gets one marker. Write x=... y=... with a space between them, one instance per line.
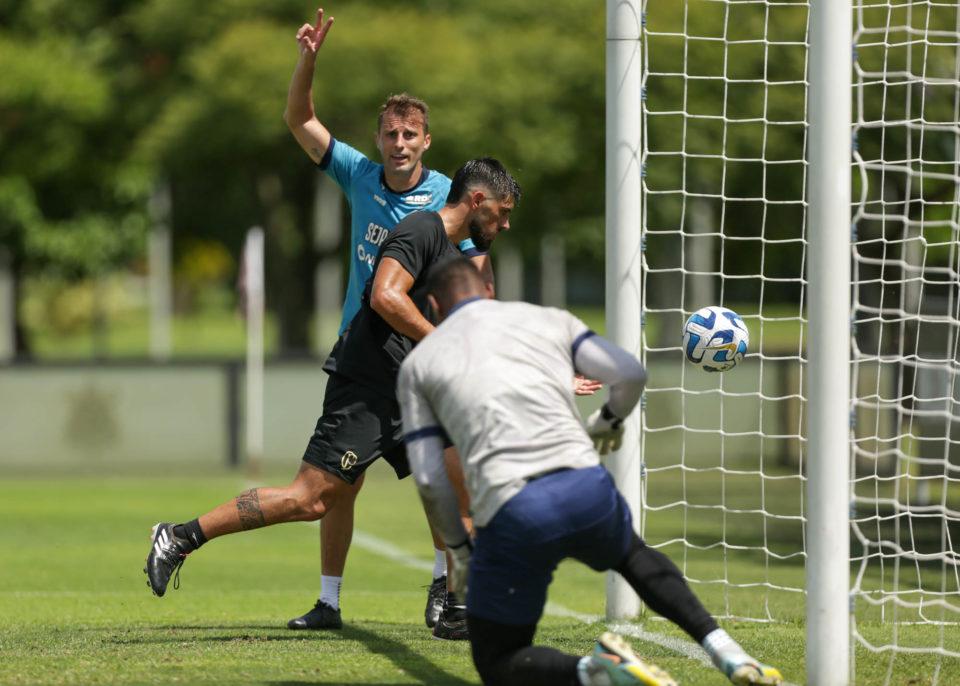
x=411 y=244
x=597 y=358
x=425 y=439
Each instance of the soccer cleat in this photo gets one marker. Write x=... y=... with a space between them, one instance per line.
x=451 y=629
x=452 y=624
x=436 y=597
x=322 y=616
x=752 y=673
x=614 y=657
x=167 y=555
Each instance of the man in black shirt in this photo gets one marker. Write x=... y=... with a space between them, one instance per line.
x=361 y=418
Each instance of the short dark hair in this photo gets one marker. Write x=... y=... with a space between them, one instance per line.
x=403 y=105
x=452 y=277
x=486 y=172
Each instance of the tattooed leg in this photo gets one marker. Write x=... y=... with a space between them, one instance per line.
x=307 y=499
x=249 y=511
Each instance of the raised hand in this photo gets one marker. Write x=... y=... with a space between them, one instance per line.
x=310 y=37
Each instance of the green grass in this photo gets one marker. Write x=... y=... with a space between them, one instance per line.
x=75 y=607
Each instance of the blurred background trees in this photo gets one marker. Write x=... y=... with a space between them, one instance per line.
x=102 y=101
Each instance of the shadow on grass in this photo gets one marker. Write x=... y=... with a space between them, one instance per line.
x=402 y=653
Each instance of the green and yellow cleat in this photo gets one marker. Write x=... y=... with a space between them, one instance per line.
x=614 y=656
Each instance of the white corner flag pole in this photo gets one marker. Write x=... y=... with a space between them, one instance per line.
x=253 y=279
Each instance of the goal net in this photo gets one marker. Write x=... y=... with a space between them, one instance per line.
x=725 y=191
x=906 y=313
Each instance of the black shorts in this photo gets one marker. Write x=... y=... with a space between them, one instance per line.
x=358 y=426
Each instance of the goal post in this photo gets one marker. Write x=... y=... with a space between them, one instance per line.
x=828 y=344
x=623 y=240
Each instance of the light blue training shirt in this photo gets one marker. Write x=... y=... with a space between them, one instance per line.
x=375 y=209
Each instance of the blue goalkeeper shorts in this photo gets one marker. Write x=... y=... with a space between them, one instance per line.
x=576 y=513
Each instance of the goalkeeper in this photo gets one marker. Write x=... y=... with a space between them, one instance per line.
x=494 y=378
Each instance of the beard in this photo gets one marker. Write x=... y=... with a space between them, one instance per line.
x=480 y=241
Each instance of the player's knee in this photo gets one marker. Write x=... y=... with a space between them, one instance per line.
x=308 y=508
x=489 y=666
x=494 y=645
x=644 y=566
x=315 y=492
x=303 y=503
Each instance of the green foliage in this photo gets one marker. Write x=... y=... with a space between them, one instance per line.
x=64 y=200
x=193 y=94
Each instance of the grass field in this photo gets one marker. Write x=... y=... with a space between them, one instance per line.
x=75 y=607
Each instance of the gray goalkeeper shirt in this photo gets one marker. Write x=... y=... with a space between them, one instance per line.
x=497 y=378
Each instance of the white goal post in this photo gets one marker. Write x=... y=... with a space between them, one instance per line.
x=828 y=344
x=798 y=162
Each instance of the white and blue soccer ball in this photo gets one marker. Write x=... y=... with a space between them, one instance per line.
x=715 y=339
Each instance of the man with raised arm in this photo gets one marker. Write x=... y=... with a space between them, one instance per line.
x=380 y=195
x=361 y=417
x=538 y=491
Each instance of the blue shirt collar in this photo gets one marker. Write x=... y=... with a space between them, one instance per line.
x=424 y=173
x=464 y=302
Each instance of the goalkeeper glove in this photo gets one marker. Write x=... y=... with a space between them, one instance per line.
x=606 y=430
x=461 y=566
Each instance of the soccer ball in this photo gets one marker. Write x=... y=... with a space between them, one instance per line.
x=715 y=339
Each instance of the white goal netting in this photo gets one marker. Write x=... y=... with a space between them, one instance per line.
x=725 y=188
x=906 y=359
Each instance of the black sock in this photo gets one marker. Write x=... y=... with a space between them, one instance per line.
x=190 y=532
x=660 y=585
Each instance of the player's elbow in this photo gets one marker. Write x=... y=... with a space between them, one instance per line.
x=384 y=302
x=291 y=119
x=422 y=481
x=427 y=475
x=427 y=487
x=296 y=118
x=634 y=373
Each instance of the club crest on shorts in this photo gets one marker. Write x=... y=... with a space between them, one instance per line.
x=348 y=460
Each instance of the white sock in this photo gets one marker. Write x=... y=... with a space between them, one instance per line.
x=439 y=563
x=330 y=590
x=589 y=674
x=722 y=648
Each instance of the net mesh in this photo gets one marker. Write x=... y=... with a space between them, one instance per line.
x=725 y=187
x=906 y=436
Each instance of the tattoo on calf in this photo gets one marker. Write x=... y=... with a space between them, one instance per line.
x=248 y=507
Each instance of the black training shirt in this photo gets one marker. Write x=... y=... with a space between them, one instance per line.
x=369 y=350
